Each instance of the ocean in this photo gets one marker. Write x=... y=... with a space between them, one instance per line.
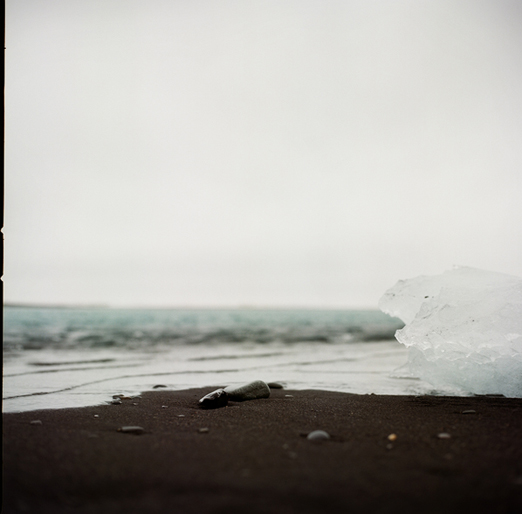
x=73 y=357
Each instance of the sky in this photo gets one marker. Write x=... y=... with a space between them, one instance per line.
x=258 y=153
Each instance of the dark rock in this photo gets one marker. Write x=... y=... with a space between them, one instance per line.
x=214 y=400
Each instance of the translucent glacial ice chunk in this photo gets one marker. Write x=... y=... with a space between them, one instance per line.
x=463 y=329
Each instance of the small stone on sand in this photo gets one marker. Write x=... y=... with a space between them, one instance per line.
x=469 y=411
x=157 y=386
x=35 y=422
x=276 y=385
x=318 y=435
x=392 y=437
x=203 y=430
x=444 y=435
x=131 y=430
x=250 y=391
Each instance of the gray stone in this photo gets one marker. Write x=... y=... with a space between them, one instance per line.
x=318 y=435
x=250 y=391
x=131 y=430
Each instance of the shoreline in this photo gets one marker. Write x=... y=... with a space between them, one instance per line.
x=254 y=456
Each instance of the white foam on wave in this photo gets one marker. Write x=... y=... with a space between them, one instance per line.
x=68 y=380
x=463 y=330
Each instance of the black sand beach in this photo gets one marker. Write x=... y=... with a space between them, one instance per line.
x=254 y=457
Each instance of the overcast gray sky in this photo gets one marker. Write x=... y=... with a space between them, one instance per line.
x=261 y=153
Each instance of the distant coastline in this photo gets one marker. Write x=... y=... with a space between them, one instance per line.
x=30 y=305
x=55 y=306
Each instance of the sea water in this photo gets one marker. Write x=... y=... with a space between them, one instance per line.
x=73 y=357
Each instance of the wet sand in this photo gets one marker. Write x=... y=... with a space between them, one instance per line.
x=254 y=457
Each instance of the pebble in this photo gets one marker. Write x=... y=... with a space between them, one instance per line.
x=157 y=386
x=36 y=422
x=203 y=430
x=181 y=415
x=392 y=437
x=251 y=391
x=444 y=435
x=276 y=385
x=318 y=435
x=96 y=415
x=131 y=430
x=164 y=406
x=214 y=400
x=116 y=402
x=469 y=411
x=289 y=395
x=118 y=396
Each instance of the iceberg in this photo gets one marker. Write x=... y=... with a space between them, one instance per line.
x=463 y=330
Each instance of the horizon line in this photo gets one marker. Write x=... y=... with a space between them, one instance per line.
x=36 y=305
